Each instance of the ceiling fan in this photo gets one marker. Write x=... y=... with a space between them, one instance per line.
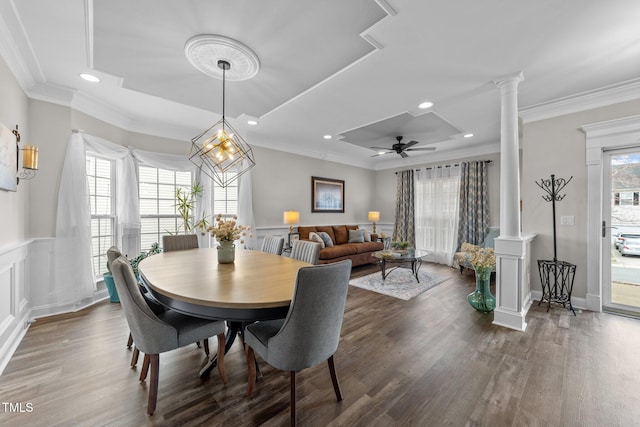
x=400 y=148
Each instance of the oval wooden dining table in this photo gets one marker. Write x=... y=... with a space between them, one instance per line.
x=257 y=286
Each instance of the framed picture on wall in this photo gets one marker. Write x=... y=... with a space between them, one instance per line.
x=292 y=238
x=327 y=195
x=8 y=159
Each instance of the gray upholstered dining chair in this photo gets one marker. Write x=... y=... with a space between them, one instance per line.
x=305 y=250
x=158 y=333
x=179 y=242
x=310 y=333
x=273 y=244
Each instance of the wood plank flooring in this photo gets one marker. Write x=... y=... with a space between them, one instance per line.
x=430 y=361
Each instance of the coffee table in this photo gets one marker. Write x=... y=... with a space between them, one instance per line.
x=406 y=259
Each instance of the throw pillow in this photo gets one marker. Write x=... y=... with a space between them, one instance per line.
x=313 y=236
x=367 y=235
x=328 y=243
x=356 y=236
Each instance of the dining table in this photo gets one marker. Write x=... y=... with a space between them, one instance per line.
x=256 y=286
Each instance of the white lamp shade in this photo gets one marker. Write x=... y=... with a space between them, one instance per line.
x=291 y=217
x=373 y=216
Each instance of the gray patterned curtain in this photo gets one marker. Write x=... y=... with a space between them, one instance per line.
x=404 y=229
x=474 y=203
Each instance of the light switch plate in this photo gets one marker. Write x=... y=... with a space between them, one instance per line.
x=567 y=220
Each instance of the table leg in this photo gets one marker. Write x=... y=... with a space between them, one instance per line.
x=415 y=267
x=383 y=269
x=233 y=328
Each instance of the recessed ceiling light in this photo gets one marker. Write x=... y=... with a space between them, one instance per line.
x=426 y=104
x=381 y=153
x=468 y=135
x=90 y=78
x=327 y=137
x=252 y=122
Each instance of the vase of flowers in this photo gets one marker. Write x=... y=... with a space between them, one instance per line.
x=226 y=233
x=483 y=261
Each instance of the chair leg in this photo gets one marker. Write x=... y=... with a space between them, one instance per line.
x=134 y=356
x=154 y=362
x=205 y=344
x=220 y=358
x=293 y=397
x=334 y=378
x=130 y=340
x=145 y=367
x=251 y=367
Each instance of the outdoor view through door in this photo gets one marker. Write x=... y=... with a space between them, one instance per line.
x=623 y=291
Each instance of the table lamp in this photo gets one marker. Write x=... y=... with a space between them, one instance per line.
x=291 y=217
x=373 y=217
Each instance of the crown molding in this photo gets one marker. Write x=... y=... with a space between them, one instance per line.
x=608 y=95
x=11 y=50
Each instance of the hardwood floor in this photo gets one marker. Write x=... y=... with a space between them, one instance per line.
x=430 y=361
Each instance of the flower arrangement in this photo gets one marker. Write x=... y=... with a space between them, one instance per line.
x=482 y=259
x=228 y=230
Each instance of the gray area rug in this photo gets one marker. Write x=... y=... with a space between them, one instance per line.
x=400 y=283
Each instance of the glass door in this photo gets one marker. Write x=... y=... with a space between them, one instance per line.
x=621 y=231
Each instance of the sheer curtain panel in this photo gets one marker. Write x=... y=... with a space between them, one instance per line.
x=437 y=193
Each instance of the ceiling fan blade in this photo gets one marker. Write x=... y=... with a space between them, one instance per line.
x=410 y=144
x=382 y=148
x=403 y=155
x=421 y=149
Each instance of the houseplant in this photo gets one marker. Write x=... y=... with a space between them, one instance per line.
x=186 y=204
x=108 y=277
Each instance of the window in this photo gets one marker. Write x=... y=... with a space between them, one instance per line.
x=225 y=200
x=158 y=213
x=100 y=179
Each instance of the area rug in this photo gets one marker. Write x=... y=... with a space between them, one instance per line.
x=400 y=283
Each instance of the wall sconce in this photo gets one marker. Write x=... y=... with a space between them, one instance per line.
x=291 y=218
x=373 y=217
x=29 y=159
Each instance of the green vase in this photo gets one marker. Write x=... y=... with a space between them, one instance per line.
x=226 y=252
x=481 y=299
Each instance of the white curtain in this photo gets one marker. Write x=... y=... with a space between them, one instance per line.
x=245 y=209
x=436 y=212
x=73 y=270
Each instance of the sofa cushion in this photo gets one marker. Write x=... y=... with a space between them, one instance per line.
x=326 y=239
x=327 y=229
x=341 y=233
x=356 y=236
x=368 y=247
x=305 y=230
x=315 y=237
x=338 y=251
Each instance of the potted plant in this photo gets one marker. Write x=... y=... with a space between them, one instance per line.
x=185 y=204
x=400 y=246
x=108 y=277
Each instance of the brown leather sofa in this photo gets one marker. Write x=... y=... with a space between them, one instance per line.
x=358 y=253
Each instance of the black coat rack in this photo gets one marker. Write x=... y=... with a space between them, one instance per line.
x=560 y=273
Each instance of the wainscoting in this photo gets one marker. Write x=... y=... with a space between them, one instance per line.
x=15 y=309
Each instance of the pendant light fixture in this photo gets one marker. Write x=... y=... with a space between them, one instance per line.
x=220 y=151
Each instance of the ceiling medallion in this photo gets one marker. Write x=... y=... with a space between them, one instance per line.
x=204 y=51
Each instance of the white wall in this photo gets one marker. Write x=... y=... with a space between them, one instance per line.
x=14 y=244
x=557 y=146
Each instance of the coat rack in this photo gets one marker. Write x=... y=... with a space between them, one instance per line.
x=556 y=276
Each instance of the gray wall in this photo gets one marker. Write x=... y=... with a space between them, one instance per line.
x=557 y=146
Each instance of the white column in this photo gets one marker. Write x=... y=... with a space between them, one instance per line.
x=513 y=294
